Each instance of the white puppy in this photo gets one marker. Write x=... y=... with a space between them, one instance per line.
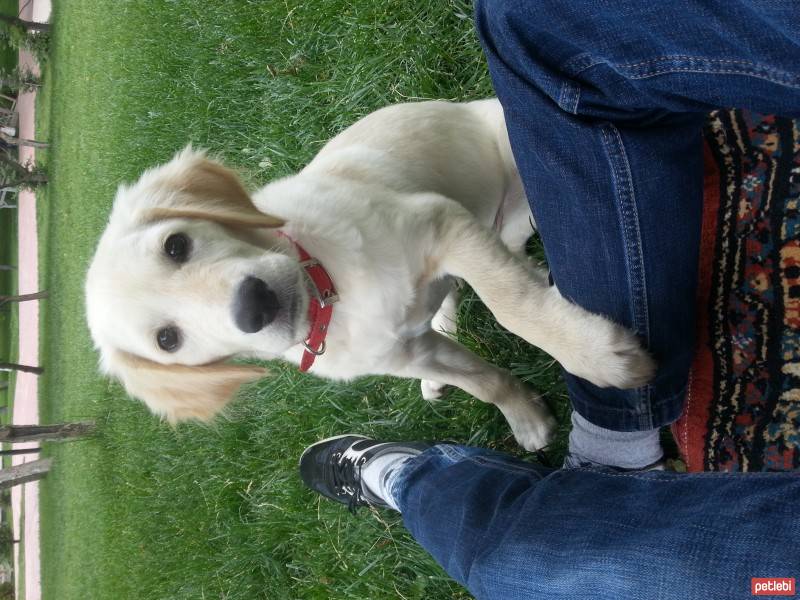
x=193 y=271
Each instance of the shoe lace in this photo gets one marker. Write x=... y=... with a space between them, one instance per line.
x=344 y=471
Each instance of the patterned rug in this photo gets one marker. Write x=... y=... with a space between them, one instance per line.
x=743 y=404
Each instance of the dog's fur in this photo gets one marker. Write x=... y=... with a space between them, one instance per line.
x=395 y=207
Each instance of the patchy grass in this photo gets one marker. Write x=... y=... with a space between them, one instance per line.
x=8 y=56
x=145 y=511
x=9 y=317
x=9 y=323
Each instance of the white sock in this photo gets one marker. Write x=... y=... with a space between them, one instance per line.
x=624 y=449
x=378 y=474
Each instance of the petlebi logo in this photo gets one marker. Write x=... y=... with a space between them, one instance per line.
x=772 y=586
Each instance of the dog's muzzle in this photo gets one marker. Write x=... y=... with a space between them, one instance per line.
x=255 y=305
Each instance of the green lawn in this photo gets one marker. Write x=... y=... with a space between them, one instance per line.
x=8 y=56
x=9 y=317
x=8 y=327
x=8 y=313
x=145 y=511
x=8 y=251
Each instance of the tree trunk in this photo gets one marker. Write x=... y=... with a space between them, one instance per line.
x=8 y=268
x=11 y=434
x=23 y=297
x=30 y=471
x=23 y=368
x=29 y=25
x=18 y=141
x=14 y=452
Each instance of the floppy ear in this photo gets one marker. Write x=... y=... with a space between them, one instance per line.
x=204 y=189
x=181 y=392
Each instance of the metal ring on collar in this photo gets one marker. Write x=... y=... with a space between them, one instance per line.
x=315 y=352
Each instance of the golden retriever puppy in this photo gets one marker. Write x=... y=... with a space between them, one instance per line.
x=345 y=268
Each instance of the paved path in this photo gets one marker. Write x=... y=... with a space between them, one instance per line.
x=26 y=400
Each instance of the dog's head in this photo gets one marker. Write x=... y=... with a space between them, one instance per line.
x=188 y=274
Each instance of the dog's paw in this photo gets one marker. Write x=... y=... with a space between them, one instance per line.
x=432 y=390
x=530 y=421
x=610 y=356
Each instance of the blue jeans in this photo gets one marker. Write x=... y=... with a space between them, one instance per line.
x=604 y=104
x=510 y=530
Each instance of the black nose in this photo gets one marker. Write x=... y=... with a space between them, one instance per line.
x=254 y=306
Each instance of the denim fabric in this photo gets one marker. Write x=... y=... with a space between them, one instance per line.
x=512 y=530
x=604 y=104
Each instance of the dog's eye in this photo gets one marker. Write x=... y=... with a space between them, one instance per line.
x=168 y=339
x=177 y=247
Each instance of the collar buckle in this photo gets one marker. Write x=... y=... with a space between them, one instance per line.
x=323 y=294
x=323 y=297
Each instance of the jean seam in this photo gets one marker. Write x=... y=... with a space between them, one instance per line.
x=719 y=72
x=684 y=57
x=569 y=97
x=454 y=453
x=680 y=63
x=632 y=240
x=665 y=65
x=570 y=94
x=666 y=477
x=503 y=466
x=578 y=63
x=621 y=416
x=632 y=236
x=683 y=63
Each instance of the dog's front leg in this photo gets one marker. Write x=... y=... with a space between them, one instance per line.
x=586 y=344
x=445 y=322
x=434 y=357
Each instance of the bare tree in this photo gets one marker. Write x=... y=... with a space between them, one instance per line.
x=29 y=471
x=22 y=368
x=23 y=297
x=18 y=141
x=16 y=451
x=12 y=434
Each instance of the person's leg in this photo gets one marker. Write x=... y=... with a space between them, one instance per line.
x=509 y=529
x=604 y=104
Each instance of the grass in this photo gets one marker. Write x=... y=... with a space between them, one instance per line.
x=9 y=316
x=8 y=313
x=145 y=511
x=8 y=251
x=8 y=56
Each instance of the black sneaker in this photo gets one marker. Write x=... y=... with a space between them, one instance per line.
x=332 y=467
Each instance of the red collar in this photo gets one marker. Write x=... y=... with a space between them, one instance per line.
x=320 y=305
